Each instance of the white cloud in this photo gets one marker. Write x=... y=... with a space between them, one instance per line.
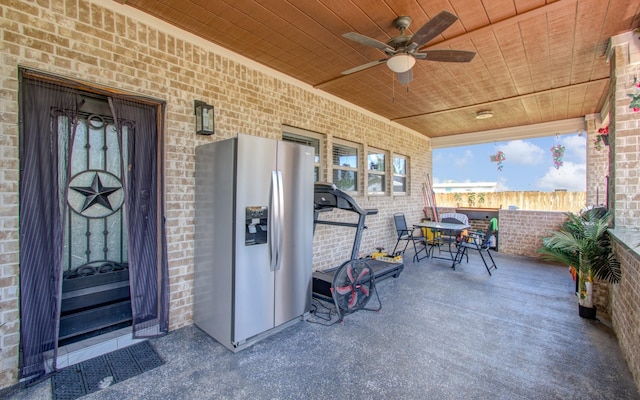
x=522 y=152
x=502 y=184
x=575 y=148
x=570 y=176
x=461 y=162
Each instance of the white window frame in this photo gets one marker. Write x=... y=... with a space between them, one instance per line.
x=382 y=175
x=346 y=168
x=302 y=134
x=404 y=176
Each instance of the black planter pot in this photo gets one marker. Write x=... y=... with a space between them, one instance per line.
x=587 y=312
x=605 y=139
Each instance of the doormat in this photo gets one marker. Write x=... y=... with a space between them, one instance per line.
x=98 y=373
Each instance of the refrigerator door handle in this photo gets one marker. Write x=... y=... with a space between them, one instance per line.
x=280 y=219
x=273 y=221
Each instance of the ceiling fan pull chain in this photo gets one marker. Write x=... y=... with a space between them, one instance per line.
x=393 y=89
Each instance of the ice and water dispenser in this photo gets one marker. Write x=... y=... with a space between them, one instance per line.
x=256 y=225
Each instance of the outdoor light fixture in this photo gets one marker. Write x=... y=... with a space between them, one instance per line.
x=484 y=114
x=204 y=118
x=401 y=63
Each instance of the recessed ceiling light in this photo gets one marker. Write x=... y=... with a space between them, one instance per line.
x=484 y=114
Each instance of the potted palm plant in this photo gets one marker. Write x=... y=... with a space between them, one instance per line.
x=583 y=243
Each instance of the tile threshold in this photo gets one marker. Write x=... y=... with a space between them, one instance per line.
x=93 y=347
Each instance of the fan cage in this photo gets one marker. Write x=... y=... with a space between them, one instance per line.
x=353 y=285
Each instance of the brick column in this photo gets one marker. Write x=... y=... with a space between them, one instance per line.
x=624 y=143
x=597 y=162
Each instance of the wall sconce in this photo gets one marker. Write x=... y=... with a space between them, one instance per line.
x=204 y=118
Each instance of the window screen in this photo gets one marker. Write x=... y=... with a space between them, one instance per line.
x=399 y=174
x=376 y=177
x=307 y=141
x=345 y=167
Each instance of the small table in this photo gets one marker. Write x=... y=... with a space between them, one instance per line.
x=453 y=229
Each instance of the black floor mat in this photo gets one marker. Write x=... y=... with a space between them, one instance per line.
x=97 y=373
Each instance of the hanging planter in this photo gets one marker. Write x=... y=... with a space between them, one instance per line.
x=602 y=138
x=635 y=102
x=635 y=97
x=498 y=158
x=557 y=152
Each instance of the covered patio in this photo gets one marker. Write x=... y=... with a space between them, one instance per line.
x=440 y=334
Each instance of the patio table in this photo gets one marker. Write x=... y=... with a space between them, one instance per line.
x=442 y=227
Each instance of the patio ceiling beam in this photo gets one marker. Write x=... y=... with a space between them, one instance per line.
x=490 y=103
x=560 y=127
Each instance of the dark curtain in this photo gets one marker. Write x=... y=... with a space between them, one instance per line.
x=148 y=269
x=41 y=220
x=48 y=119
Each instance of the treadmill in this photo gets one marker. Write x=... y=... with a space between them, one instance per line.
x=328 y=197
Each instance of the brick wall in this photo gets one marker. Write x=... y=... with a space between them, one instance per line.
x=625 y=315
x=624 y=198
x=521 y=231
x=115 y=46
x=624 y=142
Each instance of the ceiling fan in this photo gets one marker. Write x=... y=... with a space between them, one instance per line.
x=403 y=50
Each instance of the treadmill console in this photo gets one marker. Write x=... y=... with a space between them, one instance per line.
x=327 y=195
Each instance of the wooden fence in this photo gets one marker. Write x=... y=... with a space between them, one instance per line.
x=542 y=201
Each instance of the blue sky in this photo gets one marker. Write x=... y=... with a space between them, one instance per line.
x=528 y=164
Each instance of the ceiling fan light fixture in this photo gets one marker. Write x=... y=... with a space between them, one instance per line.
x=484 y=114
x=401 y=63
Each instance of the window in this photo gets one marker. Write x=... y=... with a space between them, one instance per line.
x=376 y=178
x=345 y=167
x=399 y=174
x=312 y=139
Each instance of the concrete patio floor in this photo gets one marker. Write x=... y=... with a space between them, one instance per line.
x=441 y=334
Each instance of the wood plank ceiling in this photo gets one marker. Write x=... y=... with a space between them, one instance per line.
x=537 y=61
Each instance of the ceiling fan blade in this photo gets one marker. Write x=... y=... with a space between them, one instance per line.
x=431 y=29
x=450 y=55
x=363 y=66
x=367 y=41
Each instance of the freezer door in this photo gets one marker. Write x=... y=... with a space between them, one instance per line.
x=214 y=227
x=253 y=276
x=293 y=278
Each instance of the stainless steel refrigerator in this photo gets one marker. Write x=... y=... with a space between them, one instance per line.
x=253 y=237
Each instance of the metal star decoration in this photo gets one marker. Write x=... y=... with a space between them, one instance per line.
x=96 y=193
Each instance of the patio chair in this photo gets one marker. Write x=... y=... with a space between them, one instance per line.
x=407 y=236
x=478 y=241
